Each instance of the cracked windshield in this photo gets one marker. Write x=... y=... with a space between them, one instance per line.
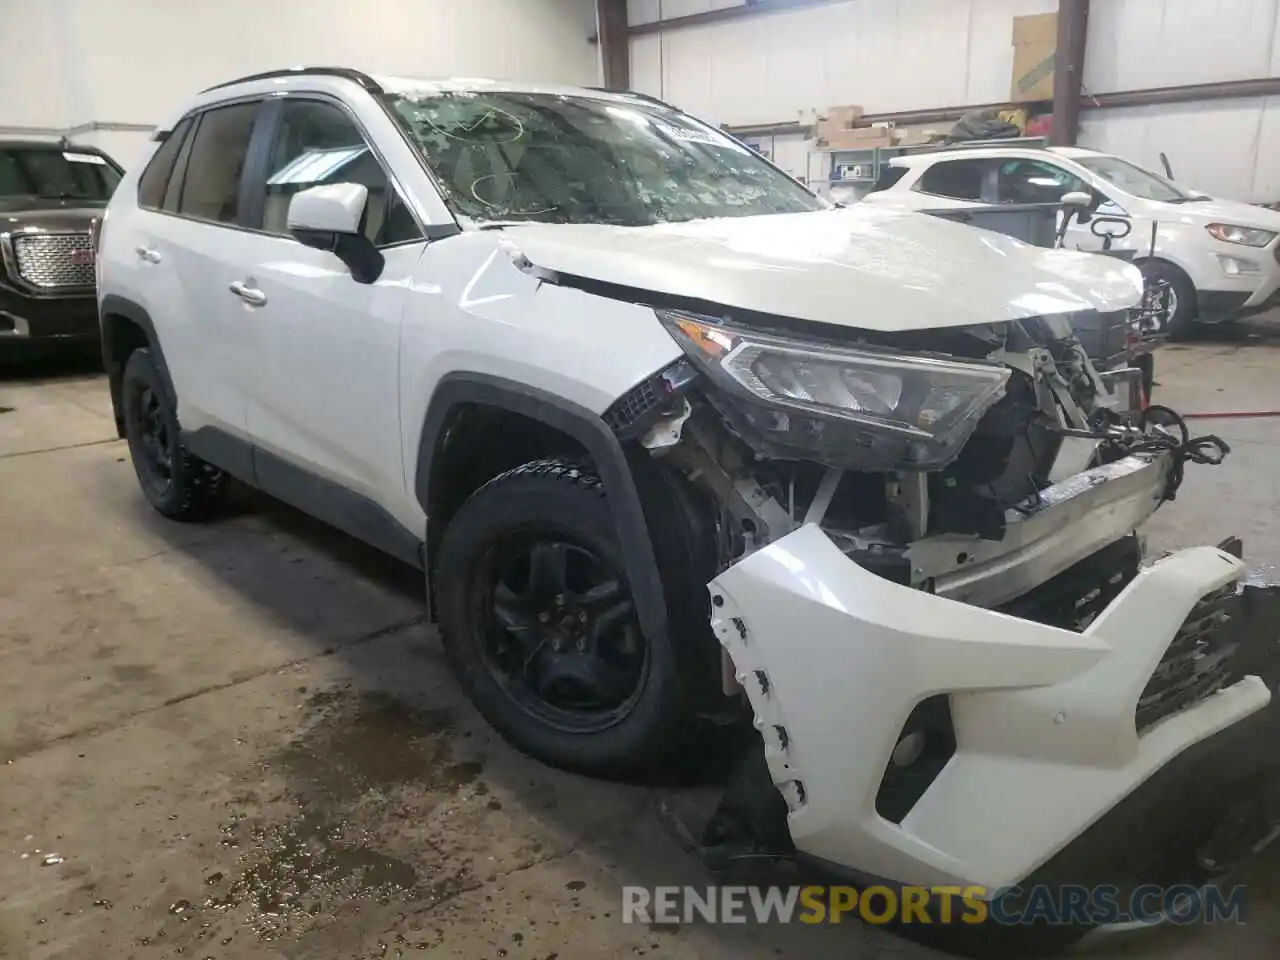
x=560 y=159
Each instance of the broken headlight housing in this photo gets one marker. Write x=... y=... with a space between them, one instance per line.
x=845 y=406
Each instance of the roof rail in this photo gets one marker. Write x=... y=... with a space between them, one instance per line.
x=1021 y=143
x=345 y=73
x=647 y=97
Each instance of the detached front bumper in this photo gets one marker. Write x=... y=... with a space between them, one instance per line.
x=1044 y=734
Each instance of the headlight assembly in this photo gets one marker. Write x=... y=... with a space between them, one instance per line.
x=865 y=409
x=1246 y=236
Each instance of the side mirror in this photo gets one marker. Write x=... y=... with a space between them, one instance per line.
x=328 y=218
x=1168 y=170
x=1080 y=203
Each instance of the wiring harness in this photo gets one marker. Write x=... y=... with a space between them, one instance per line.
x=1159 y=430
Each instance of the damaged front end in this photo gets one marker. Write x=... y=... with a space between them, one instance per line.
x=931 y=591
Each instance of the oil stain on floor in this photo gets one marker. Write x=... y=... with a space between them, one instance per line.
x=364 y=759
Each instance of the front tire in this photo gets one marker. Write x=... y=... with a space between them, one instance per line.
x=178 y=484
x=539 y=625
x=1179 y=321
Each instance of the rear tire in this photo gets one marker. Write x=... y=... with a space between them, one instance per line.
x=178 y=484
x=639 y=712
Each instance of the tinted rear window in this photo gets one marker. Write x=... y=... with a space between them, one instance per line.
x=888 y=177
x=211 y=187
x=956 y=179
x=155 y=178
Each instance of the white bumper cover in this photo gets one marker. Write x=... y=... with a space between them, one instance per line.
x=835 y=658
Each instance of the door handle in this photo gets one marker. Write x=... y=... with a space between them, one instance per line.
x=250 y=295
x=151 y=256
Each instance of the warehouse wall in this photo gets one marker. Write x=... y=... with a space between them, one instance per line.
x=890 y=55
x=883 y=54
x=1226 y=147
x=32 y=93
x=134 y=62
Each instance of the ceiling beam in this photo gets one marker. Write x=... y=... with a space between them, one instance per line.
x=750 y=8
x=1157 y=96
x=1189 y=93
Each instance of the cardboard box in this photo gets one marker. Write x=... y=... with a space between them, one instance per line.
x=917 y=136
x=836 y=120
x=858 y=138
x=1035 y=41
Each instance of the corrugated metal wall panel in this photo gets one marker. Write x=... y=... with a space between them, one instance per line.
x=908 y=54
x=646 y=64
x=1225 y=147
x=1139 y=44
x=650 y=11
x=884 y=54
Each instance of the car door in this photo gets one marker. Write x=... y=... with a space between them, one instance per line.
x=323 y=400
x=1027 y=180
x=188 y=246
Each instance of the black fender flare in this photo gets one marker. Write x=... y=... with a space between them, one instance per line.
x=115 y=305
x=601 y=444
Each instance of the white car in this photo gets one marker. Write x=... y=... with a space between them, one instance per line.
x=1220 y=258
x=673 y=439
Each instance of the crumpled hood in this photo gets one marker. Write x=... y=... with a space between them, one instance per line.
x=864 y=267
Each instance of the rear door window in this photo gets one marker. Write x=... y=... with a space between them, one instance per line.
x=211 y=187
x=155 y=178
x=889 y=175
x=173 y=192
x=958 y=179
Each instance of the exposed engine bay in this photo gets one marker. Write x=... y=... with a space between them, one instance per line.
x=926 y=582
x=1011 y=422
x=1122 y=678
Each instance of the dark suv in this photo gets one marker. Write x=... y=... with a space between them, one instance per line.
x=52 y=196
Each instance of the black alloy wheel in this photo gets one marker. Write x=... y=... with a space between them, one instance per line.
x=154 y=450
x=177 y=483
x=558 y=632
x=541 y=625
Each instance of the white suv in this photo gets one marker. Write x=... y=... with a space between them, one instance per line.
x=578 y=356
x=1220 y=258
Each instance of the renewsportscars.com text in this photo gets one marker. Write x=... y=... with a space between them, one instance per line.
x=928 y=905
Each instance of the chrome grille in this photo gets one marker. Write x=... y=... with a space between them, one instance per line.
x=52 y=261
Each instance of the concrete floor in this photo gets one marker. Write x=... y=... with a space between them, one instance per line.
x=240 y=740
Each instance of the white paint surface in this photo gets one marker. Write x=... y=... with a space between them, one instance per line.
x=1044 y=717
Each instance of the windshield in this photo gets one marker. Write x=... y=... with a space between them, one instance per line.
x=52 y=173
x=1136 y=181
x=561 y=159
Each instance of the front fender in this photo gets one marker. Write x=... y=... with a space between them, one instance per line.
x=606 y=452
